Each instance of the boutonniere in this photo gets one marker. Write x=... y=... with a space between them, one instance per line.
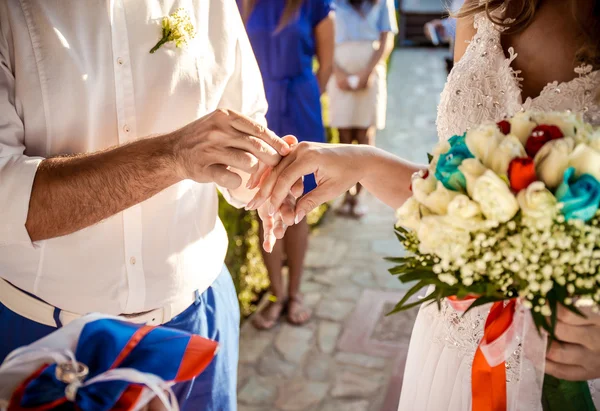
x=176 y=27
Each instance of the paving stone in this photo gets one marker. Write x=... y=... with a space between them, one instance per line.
x=347 y=292
x=252 y=345
x=325 y=252
x=319 y=367
x=244 y=373
x=387 y=248
x=293 y=342
x=312 y=299
x=356 y=383
x=361 y=360
x=364 y=279
x=301 y=395
x=272 y=364
x=327 y=335
x=259 y=391
x=334 y=310
x=358 y=405
x=310 y=287
x=243 y=407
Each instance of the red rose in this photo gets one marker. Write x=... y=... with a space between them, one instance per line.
x=504 y=127
x=540 y=136
x=521 y=173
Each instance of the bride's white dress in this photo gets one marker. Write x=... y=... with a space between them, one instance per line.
x=482 y=87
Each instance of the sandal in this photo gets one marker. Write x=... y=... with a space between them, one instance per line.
x=297 y=312
x=269 y=315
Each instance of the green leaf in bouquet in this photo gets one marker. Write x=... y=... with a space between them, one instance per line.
x=400 y=237
x=399 y=308
x=562 y=395
x=417 y=275
x=401 y=230
x=482 y=301
x=413 y=290
x=429 y=158
x=400 y=269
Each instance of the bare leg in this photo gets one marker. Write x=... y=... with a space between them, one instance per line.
x=346 y=137
x=296 y=243
x=364 y=136
x=269 y=315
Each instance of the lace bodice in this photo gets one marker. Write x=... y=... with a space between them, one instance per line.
x=484 y=87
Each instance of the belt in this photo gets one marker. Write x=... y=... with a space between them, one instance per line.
x=36 y=310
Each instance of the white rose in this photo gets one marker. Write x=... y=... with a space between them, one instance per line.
x=483 y=141
x=472 y=169
x=465 y=214
x=521 y=126
x=510 y=147
x=586 y=160
x=438 y=200
x=552 y=160
x=594 y=140
x=538 y=205
x=440 y=148
x=422 y=187
x=495 y=198
x=409 y=215
x=567 y=122
x=438 y=237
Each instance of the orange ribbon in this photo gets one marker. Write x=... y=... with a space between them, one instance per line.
x=488 y=384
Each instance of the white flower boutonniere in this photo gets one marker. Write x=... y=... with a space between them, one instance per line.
x=177 y=27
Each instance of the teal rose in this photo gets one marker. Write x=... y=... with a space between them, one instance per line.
x=580 y=196
x=447 y=170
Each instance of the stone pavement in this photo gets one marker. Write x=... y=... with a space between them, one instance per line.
x=350 y=356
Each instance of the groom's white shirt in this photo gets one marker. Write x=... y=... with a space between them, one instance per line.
x=77 y=76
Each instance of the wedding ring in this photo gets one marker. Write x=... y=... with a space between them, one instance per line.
x=69 y=372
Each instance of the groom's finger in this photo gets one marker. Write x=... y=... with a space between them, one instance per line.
x=287 y=178
x=267 y=185
x=288 y=210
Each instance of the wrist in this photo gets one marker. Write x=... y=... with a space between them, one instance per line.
x=369 y=158
x=172 y=154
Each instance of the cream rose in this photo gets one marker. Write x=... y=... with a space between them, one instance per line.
x=438 y=237
x=585 y=160
x=594 y=140
x=552 y=160
x=510 y=147
x=483 y=141
x=438 y=200
x=409 y=215
x=440 y=148
x=422 y=187
x=472 y=169
x=465 y=214
x=521 y=126
x=495 y=198
x=538 y=205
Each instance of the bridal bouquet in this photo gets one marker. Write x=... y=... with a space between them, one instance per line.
x=507 y=213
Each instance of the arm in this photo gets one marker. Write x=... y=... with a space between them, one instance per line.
x=465 y=31
x=338 y=168
x=325 y=43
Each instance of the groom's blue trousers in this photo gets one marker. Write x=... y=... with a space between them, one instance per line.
x=215 y=315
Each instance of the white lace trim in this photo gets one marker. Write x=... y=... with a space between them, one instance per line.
x=483 y=86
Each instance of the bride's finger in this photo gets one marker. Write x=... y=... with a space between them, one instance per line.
x=266 y=186
x=298 y=188
x=315 y=198
x=286 y=179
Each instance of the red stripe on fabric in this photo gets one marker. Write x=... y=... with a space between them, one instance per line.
x=198 y=355
x=129 y=398
x=17 y=397
x=131 y=344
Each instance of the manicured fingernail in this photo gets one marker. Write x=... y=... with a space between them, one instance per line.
x=250 y=205
x=271 y=209
x=249 y=184
x=300 y=216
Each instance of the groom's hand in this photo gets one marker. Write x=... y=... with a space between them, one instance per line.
x=577 y=356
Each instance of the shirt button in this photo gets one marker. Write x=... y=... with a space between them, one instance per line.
x=120 y=61
x=132 y=260
x=126 y=128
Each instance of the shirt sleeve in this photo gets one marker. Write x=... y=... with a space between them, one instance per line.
x=17 y=171
x=244 y=91
x=387 y=17
x=320 y=10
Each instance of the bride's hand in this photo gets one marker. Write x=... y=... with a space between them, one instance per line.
x=336 y=167
x=577 y=356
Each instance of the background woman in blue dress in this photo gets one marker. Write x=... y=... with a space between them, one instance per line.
x=286 y=35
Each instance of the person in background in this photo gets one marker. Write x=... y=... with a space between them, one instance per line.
x=286 y=36
x=358 y=93
x=444 y=30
